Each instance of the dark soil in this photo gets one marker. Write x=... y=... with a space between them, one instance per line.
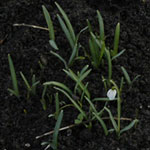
x=21 y=120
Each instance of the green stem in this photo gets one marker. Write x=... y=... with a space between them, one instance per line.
x=118 y=106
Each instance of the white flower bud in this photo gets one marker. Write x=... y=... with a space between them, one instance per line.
x=111 y=94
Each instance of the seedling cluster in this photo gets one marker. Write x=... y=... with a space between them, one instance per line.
x=80 y=95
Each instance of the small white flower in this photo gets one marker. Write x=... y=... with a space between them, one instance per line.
x=111 y=94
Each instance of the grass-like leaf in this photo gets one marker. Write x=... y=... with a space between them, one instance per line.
x=101 y=26
x=112 y=119
x=67 y=21
x=102 y=123
x=128 y=127
x=82 y=77
x=73 y=55
x=109 y=66
x=54 y=143
x=97 y=116
x=15 y=90
x=116 y=40
x=60 y=58
x=25 y=81
x=118 y=55
x=103 y=99
x=57 y=105
x=49 y=23
x=73 y=101
x=126 y=75
x=76 y=78
x=53 y=44
x=66 y=31
x=89 y=26
x=61 y=85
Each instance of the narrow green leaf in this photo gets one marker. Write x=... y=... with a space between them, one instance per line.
x=25 y=81
x=102 y=52
x=57 y=105
x=67 y=21
x=96 y=115
x=56 y=131
x=135 y=78
x=12 y=92
x=44 y=91
x=83 y=92
x=73 y=55
x=49 y=23
x=53 y=44
x=73 y=101
x=112 y=119
x=101 y=26
x=63 y=60
x=84 y=69
x=13 y=76
x=82 y=77
x=78 y=35
x=102 y=123
x=118 y=55
x=116 y=40
x=103 y=99
x=89 y=26
x=126 y=75
x=66 y=31
x=61 y=85
x=129 y=126
x=75 y=78
x=109 y=65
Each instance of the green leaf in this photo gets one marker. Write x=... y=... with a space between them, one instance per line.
x=116 y=40
x=73 y=55
x=25 y=81
x=66 y=31
x=53 y=44
x=13 y=76
x=129 y=126
x=135 y=78
x=101 y=26
x=97 y=116
x=79 y=119
x=67 y=21
x=109 y=65
x=73 y=102
x=76 y=78
x=102 y=123
x=61 y=85
x=84 y=69
x=126 y=75
x=54 y=143
x=60 y=58
x=49 y=23
x=89 y=26
x=12 y=92
x=102 y=52
x=78 y=35
x=103 y=99
x=57 y=105
x=118 y=55
x=82 y=77
x=112 y=119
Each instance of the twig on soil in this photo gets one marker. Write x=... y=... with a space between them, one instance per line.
x=2 y=41
x=32 y=26
x=73 y=125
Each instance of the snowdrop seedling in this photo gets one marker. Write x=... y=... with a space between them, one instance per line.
x=111 y=94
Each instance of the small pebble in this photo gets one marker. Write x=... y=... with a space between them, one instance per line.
x=141 y=107
x=27 y=145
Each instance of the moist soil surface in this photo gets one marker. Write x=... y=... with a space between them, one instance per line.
x=21 y=120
